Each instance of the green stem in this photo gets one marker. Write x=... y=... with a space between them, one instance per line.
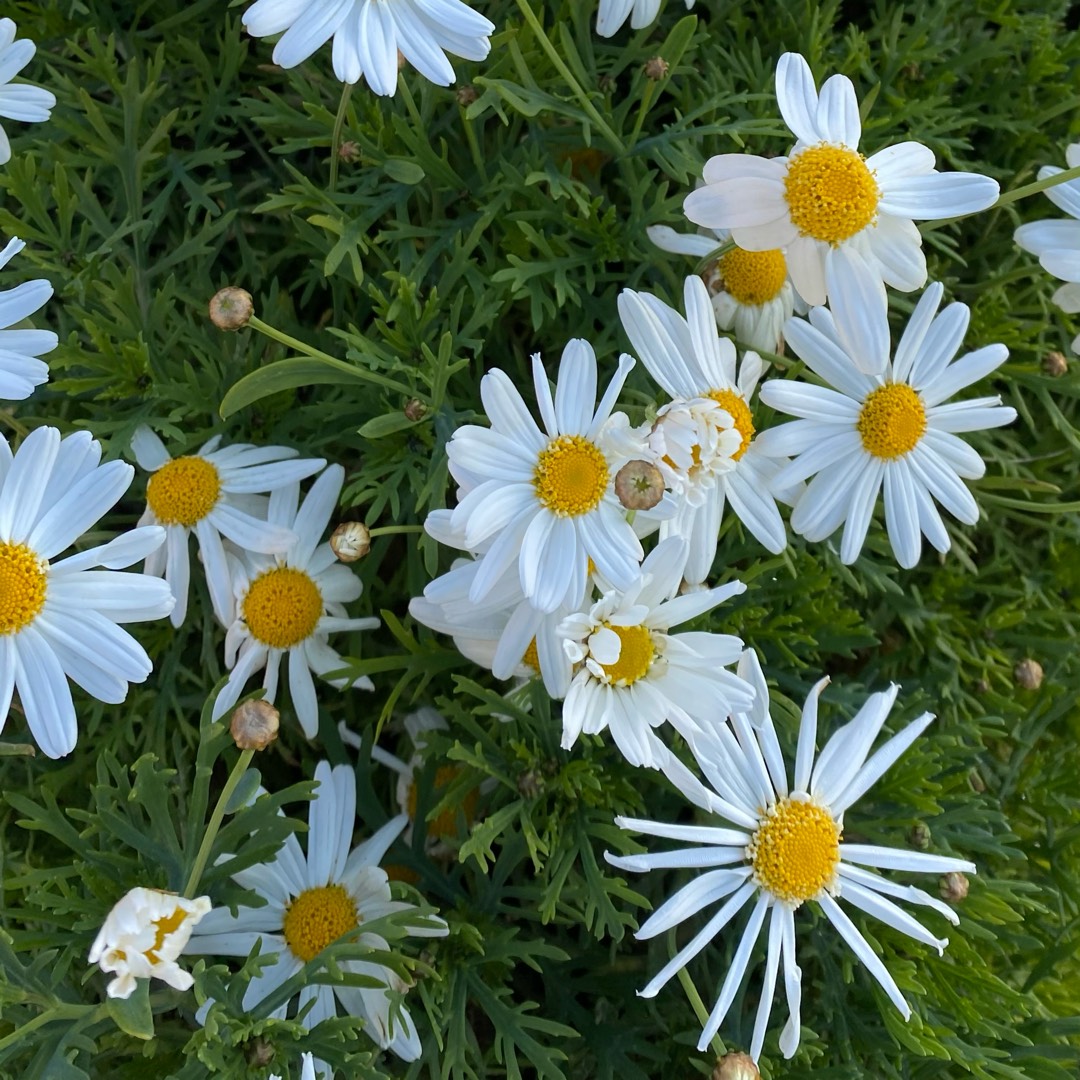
x=410 y=104
x=391 y=530
x=700 y=1011
x=568 y=76
x=293 y=343
x=335 y=142
x=474 y=145
x=1036 y=186
x=643 y=110
x=210 y=835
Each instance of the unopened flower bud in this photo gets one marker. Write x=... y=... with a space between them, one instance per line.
x=953 y=887
x=529 y=784
x=259 y=1052
x=350 y=541
x=349 y=151
x=656 y=68
x=736 y=1067
x=639 y=485
x=254 y=725
x=415 y=410
x=466 y=95
x=1055 y=364
x=1028 y=674
x=978 y=784
x=231 y=307
x=919 y=836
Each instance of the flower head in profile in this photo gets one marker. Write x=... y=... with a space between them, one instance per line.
x=825 y=198
x=18 y=101
x=211 y=493
x=20 y=367
x=369 y=34
x=777 y=843
x=313 y=900
x=1056 y=241
x=895 y=430
x=59 y=618
x=613 y=13
x=633 y=675
x=142 y=938
x=544 y=500
x=289 y=604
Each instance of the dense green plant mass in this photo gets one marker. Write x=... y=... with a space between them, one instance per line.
x=418 y=241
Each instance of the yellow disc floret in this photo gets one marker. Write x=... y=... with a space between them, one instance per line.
x=635 y=656
x=892 y=421
x=317 y=918
x=444 y=825
x=830 y=193
x=163 y=927
x=732 y=402
x=282 y=607
x=22 y=586
x=753 y=277
x=795 y=850
x=183 y=491
x=571 y=475
x=531 y=659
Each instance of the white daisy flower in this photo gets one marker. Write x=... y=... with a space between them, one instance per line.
x=893 y=429
x=20 y=368
x=18 y=101
x=613 y=13
x=289 y=604
x=544 y=500
x=826 y=198
x=142 y=938
x=313 y=900
x=704 y=443
x=60 y=620
x=369 y=34
x=1056 y=242
x=751 y=291
x=784 y=847
x=210 y=493
x=634 y=675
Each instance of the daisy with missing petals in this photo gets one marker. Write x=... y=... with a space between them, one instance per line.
x=894 y=430
x=826 y=198
x=613 y=13
x=286 y=606
x=704 y=443
x=311 y=901
x=209 y=493
x=751 y=291
x=544 y=499
x=369 y=34
x=60 y=620
x=1056 y=242
x=20 y=368
x=634 y=675
x=778 y=845
x=18 y=101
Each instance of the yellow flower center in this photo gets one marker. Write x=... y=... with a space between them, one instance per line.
x=531 y=659
x=283 y=607
x=183 y=491
x=635 y=656
x=317 y=918
x=732 y=401
x=571 y=475
x=831 y=194
x=163 y=927
x=795 y=850
x=23 y=579
x=891 y=421
x=753 y=277
x=444 y=825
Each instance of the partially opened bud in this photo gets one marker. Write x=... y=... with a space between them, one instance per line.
x=350 y=541
x=953 y=887
x=1028 y=674
x=230 y=308
x=639 y=485
x=736 y=1067
x=254 y=725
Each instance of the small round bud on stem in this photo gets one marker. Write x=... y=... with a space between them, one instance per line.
x=254 y=725
x=259 y=1052
x=231 y=307
x=736 y=1067
x=415 y=410
x=466 y=95
x=953 y=887
x=350 y=541
x=919 y=836
x=639 y=485
x=1028 y=674
x=348 y=151
x=1055 y=364
x=656 y=68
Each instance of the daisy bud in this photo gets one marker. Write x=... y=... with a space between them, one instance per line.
x=466 y=95
x=953 y=887
x=656 y=68
x=978 y=784
x=415 y=410
x=230 y=308
x=350 y=541
x=919 y=836
x=736 y=1067
x=349 y=151
x=529 y=784
x=254 y=725
x=1028 y=674
x=639 y=485
x=1055 y=364
x=259 y=1053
